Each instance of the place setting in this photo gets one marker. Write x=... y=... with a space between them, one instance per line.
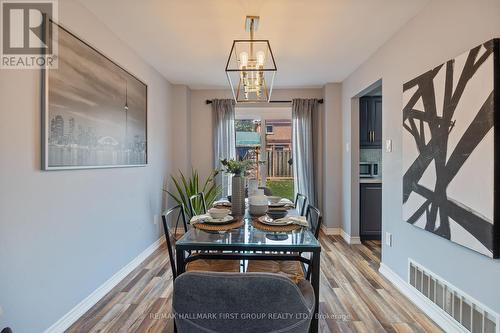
x=270 y=213
x=216 y=219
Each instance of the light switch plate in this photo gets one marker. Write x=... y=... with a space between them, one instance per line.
x=388 y=239
x=388 y=145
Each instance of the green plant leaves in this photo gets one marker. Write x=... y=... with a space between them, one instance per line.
x=186 y=188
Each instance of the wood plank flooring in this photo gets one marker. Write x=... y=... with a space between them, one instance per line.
x=354 y=297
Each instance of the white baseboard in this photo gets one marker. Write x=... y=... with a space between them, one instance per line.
x=340 y=232
x=330 y=230
x=79 y=310
x=430 y=309
x=350 y=239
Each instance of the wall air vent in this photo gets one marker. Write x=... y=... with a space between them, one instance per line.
x=471 y=315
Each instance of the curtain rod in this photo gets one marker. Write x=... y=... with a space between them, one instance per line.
x=208 y=101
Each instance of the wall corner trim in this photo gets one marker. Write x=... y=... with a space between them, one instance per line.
x=436 y=314
x=331 y=230
x=79 y=310
x=351 y=240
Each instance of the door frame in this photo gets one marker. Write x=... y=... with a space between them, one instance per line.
x=354 y=234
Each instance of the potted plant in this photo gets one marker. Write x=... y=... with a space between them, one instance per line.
x=238 y=169
x=187 y=187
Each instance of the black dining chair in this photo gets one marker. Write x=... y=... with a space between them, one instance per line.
x=300 y=203
x=197 y=204
x=209 y=265
x=267 y=190
x=294 y=270
x=254 y=296
x=313 y=216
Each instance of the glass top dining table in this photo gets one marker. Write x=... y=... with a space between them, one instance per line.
x=250 y=243
x=248 y=237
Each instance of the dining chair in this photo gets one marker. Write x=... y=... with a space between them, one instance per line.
x=300 y=203
x=267 y=190
x=196 y=265
x=195 y=201
x=294 y=270
x=216 y=297
x=313 y=216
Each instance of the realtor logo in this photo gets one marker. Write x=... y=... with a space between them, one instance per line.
x=28 y=35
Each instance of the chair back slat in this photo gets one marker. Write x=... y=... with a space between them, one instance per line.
x=197 y=204
x=313 y=216
x=300 y=203
x=170 y=236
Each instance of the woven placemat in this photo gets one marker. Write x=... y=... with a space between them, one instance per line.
x=275 y=228
x=219 y=227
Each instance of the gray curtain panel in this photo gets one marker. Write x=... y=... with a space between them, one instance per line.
x=224 y=138
x=302 y=147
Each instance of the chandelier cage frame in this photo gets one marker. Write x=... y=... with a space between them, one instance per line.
x=268 y=70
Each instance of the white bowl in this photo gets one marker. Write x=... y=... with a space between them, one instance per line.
x=258 y=210
x=274 y=199
x=218 y=213
x=258 y=200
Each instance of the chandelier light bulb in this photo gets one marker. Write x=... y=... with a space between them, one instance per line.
x=261 y=57
x=244 y=59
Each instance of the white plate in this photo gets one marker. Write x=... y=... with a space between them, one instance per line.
x=211 y=220
x=269 y=221
x=279 y=204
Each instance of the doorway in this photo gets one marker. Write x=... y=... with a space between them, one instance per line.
x=264 y=136
x=366 y=166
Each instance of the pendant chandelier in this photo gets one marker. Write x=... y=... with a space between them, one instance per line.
x=251 y=67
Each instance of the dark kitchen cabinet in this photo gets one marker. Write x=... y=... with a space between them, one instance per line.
x=370 y=122
x=370 y=216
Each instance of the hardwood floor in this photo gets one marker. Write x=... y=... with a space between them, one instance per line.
x=354 y=297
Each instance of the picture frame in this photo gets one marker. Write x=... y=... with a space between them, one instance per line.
x=94 y=111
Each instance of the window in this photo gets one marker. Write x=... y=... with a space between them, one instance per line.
x=269 y=129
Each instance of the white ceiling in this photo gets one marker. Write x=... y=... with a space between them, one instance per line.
x=314 y=41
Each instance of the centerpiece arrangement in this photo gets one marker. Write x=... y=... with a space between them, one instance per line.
x=238 y=169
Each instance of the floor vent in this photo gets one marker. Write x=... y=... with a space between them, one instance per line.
x=467 y=312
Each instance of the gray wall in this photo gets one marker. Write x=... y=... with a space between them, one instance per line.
x=332 y=153
x=64 y=233
x=443 y=30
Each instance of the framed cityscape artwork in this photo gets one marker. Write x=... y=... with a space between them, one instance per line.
x=94 y=112
x=450 y=150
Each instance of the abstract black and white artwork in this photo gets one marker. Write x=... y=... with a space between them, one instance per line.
x=94 y=111
x=449 y=149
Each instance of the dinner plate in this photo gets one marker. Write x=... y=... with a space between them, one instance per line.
x=269 y=221
x=278 y=204
x=210 y=220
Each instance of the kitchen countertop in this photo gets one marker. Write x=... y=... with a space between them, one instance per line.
x=370 y=180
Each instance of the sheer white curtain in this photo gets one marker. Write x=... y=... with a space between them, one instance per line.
x=224 y=138
x=302 y=147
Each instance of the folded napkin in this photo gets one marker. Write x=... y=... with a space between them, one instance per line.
x=199 y=218
x=287 y=202
x=298 y=220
